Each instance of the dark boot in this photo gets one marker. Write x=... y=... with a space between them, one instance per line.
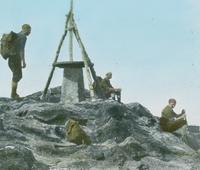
x=119 y=99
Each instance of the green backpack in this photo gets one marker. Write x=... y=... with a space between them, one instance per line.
x=8 y=46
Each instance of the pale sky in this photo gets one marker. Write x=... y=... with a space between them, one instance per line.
x=151 y=46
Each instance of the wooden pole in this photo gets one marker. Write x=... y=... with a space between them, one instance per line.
x=57 y=55
x=89 y=66
x=71 y=34
x=85 y=59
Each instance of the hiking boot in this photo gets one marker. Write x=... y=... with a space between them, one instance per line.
x=14 y=94
x=16 y=97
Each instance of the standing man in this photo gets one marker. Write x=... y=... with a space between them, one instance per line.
x=170 y=121
x=17 y=61
x=109 y=90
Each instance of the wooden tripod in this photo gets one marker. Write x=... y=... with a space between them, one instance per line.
x=71 y=27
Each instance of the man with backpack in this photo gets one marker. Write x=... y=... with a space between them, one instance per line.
x=13 y=47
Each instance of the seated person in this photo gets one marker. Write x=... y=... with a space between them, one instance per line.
x=170 y=121
x=109 y=90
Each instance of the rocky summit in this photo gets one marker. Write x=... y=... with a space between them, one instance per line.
x=124 y=137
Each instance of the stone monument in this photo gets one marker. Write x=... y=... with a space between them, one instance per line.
x=73 y=84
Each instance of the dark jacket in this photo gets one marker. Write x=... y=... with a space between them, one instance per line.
x=106 y=87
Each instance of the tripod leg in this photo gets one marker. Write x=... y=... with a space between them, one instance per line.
x=84 y=55
x=56 y=58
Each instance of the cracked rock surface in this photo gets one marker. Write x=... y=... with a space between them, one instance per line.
x=124 y=136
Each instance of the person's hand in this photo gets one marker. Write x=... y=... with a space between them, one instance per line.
x=117 y=90
x=23 y=65
x=183 y=111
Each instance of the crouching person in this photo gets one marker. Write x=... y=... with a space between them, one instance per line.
x=75 y=134
x=170 y=121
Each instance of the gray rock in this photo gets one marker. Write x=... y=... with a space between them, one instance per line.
x=16 y=157
x=124 y=136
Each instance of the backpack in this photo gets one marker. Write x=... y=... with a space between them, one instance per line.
x=99 y=79
x=98 y=89
x=8 y=46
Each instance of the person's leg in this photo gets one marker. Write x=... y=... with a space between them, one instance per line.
x=14 y=63
x=176 y=124
x=17 y=75
x=119 y=97
x=164 y=124
x=113 y=96
x=14 y=94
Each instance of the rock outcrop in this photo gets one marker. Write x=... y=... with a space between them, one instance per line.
x=124 y=136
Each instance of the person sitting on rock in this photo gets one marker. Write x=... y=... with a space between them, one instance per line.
x=109 y=90
x=170 y=121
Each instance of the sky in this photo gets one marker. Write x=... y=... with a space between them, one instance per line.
x=151 y=47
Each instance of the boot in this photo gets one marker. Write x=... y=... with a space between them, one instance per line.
x=113 y=96
x=14 y=94
x=119 y=99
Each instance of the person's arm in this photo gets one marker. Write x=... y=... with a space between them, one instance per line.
x=168 y=113
x=182 y=113
x=175 y=114
x=22 y=52
x=112 y=89
x=109 y=86
x=22 y=58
